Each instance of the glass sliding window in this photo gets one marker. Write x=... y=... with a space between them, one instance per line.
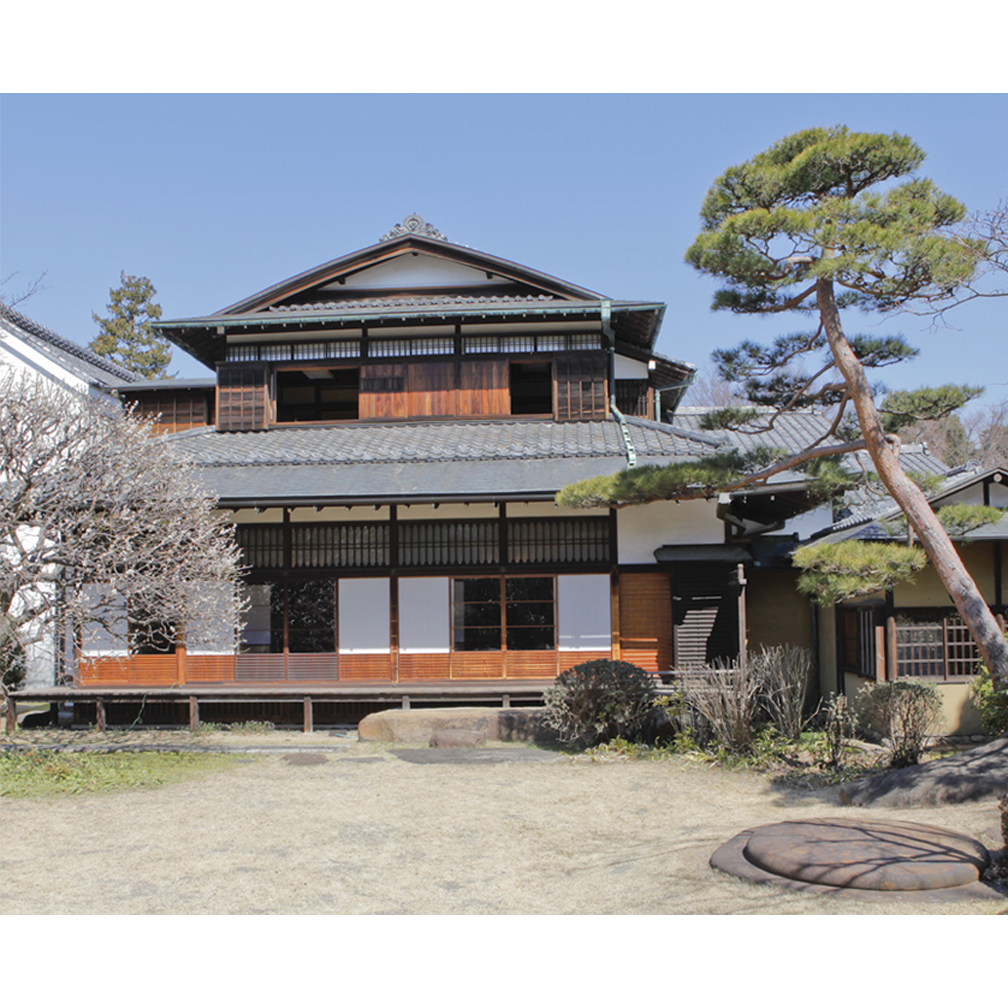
x=300 y=617
x=530 y=614
x=311 y=617
x=489 y=614
x=260 y=633
x=476 y=614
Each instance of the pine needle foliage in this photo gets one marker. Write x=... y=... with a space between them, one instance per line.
x=653 y=483
x=832 y=572
x=961 y=519
x=127 y=336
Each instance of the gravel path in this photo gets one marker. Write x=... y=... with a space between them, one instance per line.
x=360 y=830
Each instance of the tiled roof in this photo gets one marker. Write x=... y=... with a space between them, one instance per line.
x=791 y=432
x=426 y=458
x=414 y=301
x=75 y=358
x=873 y=519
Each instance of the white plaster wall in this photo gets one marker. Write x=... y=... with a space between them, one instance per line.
x=329 y=514
x=627 y=367
x=364 y=616
x=547 y=509
x=427 y=512
x=641 y=530
x=999 y=495
x=424 y=615
x=25 y=358
x=583 y=612
x=414 y=271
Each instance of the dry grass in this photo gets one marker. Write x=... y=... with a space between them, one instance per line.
x=364 y=832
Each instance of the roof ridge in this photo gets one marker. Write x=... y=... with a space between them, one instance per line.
x=29 y=325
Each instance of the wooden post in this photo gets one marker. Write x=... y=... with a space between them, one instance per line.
x=99 y=714
x=10 y=722
x=193 y=713
x=308 y=726
x=405 y=702
x=506 y=701
x=180 y=664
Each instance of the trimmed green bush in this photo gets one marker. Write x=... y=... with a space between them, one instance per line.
x=598 y=701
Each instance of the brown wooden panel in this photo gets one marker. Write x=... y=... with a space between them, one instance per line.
x=209 y=668
x=568 y=659
x=532 y=664
x=430 y=389
x=581 y=386
x=645 y=602
x=382 y=392
x=419 y=667
x=365 y=668
x=104 y=671
x=477 y=665
x=483 y=388
x=174 y=411
x=242 y=402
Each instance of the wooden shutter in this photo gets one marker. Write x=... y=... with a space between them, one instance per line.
x=645 y=618
x=242 y=400
x=382 y=392
x=483 y=388
x=581 y=386
x=704 y=614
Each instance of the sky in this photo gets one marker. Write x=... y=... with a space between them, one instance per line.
x=217 y=196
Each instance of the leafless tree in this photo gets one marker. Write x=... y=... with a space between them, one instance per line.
x=102 y=529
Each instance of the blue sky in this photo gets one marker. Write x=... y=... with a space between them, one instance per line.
x=215 y=197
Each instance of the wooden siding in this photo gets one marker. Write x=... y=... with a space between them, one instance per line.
x=581 y=386
x=444 y=388
x=242 y=400
x=174 y=410
x=645 y=624
x=635 y=397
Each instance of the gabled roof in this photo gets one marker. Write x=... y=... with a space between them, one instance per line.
x=876 y=520
x=78 y=360
x=423 y=461
x=415 y=276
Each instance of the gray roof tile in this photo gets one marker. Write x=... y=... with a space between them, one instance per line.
x=425 y=458
x=74 y=357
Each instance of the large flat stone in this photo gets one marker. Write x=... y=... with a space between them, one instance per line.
x=417 y=727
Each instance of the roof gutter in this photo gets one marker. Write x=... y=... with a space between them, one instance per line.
x=624 y=427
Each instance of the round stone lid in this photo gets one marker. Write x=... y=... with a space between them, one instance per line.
x=867 y=854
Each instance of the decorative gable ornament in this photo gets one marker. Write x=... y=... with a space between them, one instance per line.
x=414 y=224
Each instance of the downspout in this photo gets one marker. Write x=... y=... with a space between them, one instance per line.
x=668 y=388
x=624 y=427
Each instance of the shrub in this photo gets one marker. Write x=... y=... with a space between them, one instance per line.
x=839 y=723
x=783 y=673
x=991 y=702
x=599 y=700
x=907 y=712
x=728 y=699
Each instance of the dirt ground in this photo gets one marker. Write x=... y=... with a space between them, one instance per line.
x=365 y=832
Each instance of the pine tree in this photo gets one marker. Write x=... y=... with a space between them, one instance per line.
x=825 y=221
x=127 y=337
x=802 y=227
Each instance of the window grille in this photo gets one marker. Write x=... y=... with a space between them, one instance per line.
x=261 y=545
x=939 y=647
x=349 y=544
x=558 y=540
x=242 y=353
x=433 y=544
x=279 y=351
x=310 y=351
